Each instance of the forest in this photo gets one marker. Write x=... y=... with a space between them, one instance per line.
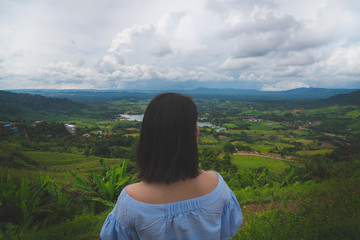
x=294 y=165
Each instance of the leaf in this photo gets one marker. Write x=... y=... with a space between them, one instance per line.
x=121 y=183
x=105 y=202
x=23 y=192
x=80 y=184
x=36 y=197
x=100 y=184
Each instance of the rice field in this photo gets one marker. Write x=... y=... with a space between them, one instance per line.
x=57 y=165
x=246 y=162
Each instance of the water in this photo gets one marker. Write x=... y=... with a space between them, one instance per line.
x=139 y=118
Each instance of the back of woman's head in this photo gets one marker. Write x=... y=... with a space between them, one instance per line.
x=167 y=149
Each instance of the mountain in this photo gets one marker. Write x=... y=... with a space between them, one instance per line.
x=26 y=106
x=238 y=94
x=252 y=95
x=90 y=96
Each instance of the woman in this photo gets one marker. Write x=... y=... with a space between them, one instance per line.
x=175 y=199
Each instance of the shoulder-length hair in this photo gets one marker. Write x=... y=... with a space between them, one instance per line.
x=167 y=150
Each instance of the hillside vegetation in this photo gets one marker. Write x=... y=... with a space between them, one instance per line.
x=294 y=167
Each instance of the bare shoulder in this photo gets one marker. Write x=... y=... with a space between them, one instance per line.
x=209 y=180
x=159 y=193
x=134 y=189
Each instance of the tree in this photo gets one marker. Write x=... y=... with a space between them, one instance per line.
x=229 y=148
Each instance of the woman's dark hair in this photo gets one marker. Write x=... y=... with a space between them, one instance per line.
x=167 y=149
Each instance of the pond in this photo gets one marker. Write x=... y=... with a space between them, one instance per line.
x=139 y=118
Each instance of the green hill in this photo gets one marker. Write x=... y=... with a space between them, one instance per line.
x=352 y=98
x=31 y=107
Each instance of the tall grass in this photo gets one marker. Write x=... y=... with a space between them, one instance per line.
x=330 y=213
x=82 y=228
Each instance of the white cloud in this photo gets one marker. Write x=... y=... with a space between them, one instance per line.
x=283 y=85
x=259 y=44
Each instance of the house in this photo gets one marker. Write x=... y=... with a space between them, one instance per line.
x=37 y=123
x=86 y=135
x=70 y=128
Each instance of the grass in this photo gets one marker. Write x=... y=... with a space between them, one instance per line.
x=321 y=214
x=245 y=162
x=82 y=227
x=218 y=147
x=208 y=139
x=229 y=125
x=294 y=191
x=314 y=152
x=263 y=147
x=354 y=114
x=304 y=141
x=134 y=135
x=261 y=127
x=253 y=132
x=57 y=165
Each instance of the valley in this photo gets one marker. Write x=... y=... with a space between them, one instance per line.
x=273 y=154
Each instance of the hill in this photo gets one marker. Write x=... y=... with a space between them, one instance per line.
x=92 y=96
x=350 y=98
x=251 y=95
x=33 y=107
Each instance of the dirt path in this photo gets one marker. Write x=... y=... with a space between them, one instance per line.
x=267 y=155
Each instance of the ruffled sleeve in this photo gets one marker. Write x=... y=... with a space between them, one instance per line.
x=231 y=217
x=113 y=230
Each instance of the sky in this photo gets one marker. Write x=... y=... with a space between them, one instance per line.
x=174 y=45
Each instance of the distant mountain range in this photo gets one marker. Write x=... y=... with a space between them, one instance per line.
x=239 y=94
x=67 y=102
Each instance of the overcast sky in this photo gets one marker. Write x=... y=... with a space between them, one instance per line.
x=174 y=45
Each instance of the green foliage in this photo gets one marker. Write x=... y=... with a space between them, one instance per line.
x=323 y=184
x=12 y=157
x=229 y=148
x=103 y=188
x=81 y=227
x=327 y=215
x=25 y=204
x=209 y=160
x=252 y=162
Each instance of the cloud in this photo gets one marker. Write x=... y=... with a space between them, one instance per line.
x=161 y=49
x=283 y=85
x=67 y=74
x=258 y=44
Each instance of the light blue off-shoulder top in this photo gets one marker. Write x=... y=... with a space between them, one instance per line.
x=216 y=215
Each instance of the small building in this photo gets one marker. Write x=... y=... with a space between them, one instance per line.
x=70 y=128
x=15 y=128
x=86 y=135
x=37 y=123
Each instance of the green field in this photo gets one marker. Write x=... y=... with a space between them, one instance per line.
x=229 y=125
x=208 y=139
x=57 y=165
x=314 y=152
x=245 y=162
x=262 y=147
